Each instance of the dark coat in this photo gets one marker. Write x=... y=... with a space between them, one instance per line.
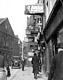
x=35 y=62
x=56 y=70
x=1 y=61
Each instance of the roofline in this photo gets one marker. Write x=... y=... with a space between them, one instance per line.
x=3 y=20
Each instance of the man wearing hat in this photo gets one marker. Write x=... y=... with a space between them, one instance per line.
x=35 y=65
x=56 y=70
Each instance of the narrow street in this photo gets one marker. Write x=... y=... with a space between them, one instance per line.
x=18 y=74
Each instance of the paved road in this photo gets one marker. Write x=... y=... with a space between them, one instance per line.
x=27 y=74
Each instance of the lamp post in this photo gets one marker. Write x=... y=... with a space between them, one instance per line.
x=22 y=50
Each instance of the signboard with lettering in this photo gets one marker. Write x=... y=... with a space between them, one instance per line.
x=30 y=53
x=33 y=9
x=30 y=39
x=35 y=47
x=34 y=33
x=28 y=32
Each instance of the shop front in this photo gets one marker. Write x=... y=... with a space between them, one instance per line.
x=53 y=32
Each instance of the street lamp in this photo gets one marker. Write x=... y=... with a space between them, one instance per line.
x=22 y=50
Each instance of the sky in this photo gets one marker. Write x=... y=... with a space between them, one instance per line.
x=14 y=10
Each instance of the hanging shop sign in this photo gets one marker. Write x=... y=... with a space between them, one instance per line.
x=34 y=33
x=25 y=39
x=34 y=9
x=28 y=32
x=30 y=39
x=35 y=47
x=30 y=53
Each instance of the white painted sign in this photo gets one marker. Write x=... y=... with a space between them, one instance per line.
x=36 y=9
x=25 y=39
x=32 y=9
x=30 y=53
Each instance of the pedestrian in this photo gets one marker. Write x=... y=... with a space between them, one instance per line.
x=56 y=69
x=38 y=54
x=8 y=70
x=35 y=65
x=40 y=61
x=23 y=64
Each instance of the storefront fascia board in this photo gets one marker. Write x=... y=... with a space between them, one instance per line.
x=52 y=27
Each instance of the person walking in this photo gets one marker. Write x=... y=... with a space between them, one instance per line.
x=23 y=63
x=40 y=61
x=56 y=69
x=35 y=65
x=8 y=70
x=40 y=65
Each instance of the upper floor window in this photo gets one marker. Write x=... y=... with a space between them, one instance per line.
x=6 y=26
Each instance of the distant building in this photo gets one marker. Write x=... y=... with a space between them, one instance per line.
x=17 y=46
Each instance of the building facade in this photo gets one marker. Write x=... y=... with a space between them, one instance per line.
x=17 y=46
x=53 y=31
x=6 y=39
x=9 y=43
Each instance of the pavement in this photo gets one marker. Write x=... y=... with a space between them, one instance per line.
x=13 y=73
x=18 y=74
x=28 y=75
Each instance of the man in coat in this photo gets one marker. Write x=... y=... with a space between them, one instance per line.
x=56 y=70
x=35 y=64
x=8 y=70
x=23 y=63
